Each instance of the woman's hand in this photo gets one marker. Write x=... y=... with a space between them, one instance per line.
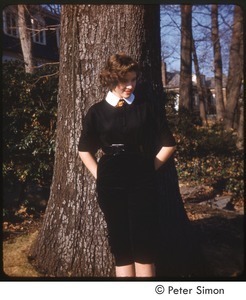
x=163 y=155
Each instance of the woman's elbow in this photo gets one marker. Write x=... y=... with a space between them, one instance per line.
x=83 y=155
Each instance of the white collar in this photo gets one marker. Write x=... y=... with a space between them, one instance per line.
x=113 y=100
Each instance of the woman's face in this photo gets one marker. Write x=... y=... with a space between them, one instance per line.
x=125 y=88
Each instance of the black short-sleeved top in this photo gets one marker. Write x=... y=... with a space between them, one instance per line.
x=133 y=124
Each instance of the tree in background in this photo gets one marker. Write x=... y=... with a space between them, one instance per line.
x=25 y=39
x=201 y=87
x=235 y=73
x=218 y=73
x=201 y=34
x=185 y=88
x=72 y=240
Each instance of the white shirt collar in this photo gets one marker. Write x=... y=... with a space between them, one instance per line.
x=112 y=99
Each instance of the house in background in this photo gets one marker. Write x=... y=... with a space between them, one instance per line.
x=171 y=82
x=45 y=34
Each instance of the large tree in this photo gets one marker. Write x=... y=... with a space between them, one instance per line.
x=186 y=59
x=73 y=238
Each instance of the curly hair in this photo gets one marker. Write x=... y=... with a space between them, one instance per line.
x=116 y=68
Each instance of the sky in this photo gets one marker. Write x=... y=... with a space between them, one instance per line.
x=170 y=36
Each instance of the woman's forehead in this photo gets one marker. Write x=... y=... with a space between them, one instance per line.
x=130 y=75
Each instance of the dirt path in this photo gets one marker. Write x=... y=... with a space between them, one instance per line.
x=222 y=237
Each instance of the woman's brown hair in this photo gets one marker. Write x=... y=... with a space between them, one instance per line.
x=116 y=68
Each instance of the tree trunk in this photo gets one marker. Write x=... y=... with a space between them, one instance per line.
x=240 y=130
x=235 y=75
x=218 y=75
x=200 y=86
x=185 y=101
x=25 y=39
x=73 y=238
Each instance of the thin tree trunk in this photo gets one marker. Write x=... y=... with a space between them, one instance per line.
x=73 y=238
x=218 y=74
x=25 y=39
x=240 y=130
x=185 y=101
x=235 y=74
x=200 y=87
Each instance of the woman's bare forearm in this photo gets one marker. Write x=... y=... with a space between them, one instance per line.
x=163 y=155
x=89 y=162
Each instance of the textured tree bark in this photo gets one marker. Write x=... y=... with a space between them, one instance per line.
x=235 y=74
x=186 y=60
x=25 y=39
x=218 y=74
x=73 y=238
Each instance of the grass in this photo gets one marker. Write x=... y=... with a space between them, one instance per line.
x=17 y=265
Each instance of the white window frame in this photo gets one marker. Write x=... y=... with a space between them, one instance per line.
x=13 y=29
x=38 y=30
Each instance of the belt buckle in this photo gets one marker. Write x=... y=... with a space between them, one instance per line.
x=119 y=148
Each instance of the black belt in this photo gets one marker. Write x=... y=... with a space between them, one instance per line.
x=116 y=149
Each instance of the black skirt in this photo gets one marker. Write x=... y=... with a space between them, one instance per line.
x=126 y=189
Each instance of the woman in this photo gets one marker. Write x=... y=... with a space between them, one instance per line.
x=124 y=127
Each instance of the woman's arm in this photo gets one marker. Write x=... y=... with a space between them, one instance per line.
x=89 y=162
x=163 y=155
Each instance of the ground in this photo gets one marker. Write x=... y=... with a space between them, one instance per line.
x=219 y=221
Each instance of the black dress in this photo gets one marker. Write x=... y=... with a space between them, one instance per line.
x=126 y=182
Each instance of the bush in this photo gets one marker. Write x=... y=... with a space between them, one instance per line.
x=207 y=154
x=29 y=121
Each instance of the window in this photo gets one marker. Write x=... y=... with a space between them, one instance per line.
x=38 y=30
x=10 y=23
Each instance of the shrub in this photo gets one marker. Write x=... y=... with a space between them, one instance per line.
x=29 y=120
x=207 y=154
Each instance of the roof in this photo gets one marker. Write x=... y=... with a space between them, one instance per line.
x=173 y=80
